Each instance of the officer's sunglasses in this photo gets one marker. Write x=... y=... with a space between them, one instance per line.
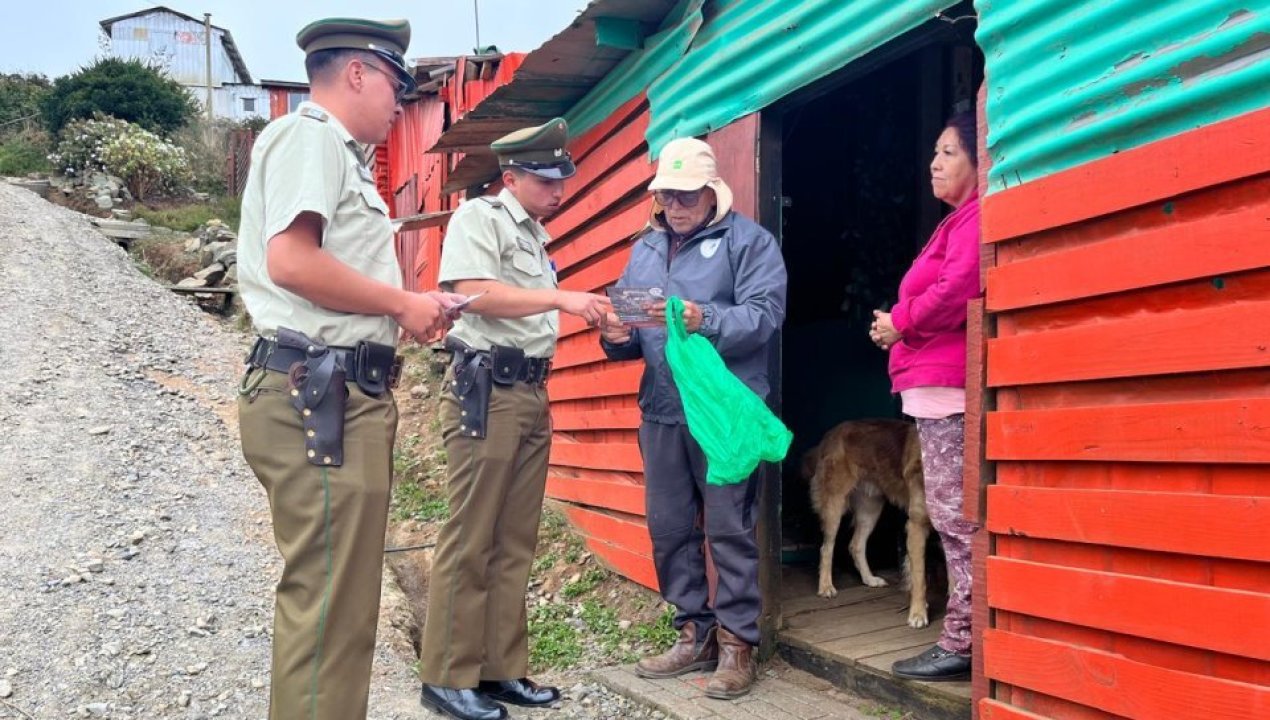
x=400 y=89
x=685 y=198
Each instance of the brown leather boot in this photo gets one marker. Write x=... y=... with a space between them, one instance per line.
x=685 y=656
x=737 y=668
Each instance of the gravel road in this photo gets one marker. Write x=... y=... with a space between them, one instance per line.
x=136 y=559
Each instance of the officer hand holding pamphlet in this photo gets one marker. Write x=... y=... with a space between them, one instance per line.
x=633 y=305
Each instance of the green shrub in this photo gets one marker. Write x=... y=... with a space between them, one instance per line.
x=25 y=153
x=20 y=98
x=144 y=161
x=126 y=89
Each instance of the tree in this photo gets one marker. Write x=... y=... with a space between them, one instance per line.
x=127 y=89
x=20 y=97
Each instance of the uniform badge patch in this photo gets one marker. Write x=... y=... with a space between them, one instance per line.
x=710 y=247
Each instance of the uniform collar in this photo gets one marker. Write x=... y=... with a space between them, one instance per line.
x=513 y=206
x=345 y=136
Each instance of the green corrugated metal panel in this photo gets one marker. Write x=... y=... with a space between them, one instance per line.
x=638 y=69
x=750 y=53
x=747 y=55
x=1073 y=82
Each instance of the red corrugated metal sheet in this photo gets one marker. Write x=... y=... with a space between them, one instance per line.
x=1128 y=572
x=464 y=94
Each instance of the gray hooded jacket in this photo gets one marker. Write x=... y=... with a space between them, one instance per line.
x=733 y=269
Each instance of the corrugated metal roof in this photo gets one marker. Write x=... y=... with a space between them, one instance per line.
x=750 y=53
x=227 y=38
x=552 y=79
x=1073 y=82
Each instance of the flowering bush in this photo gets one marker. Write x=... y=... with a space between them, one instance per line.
x=143 y=160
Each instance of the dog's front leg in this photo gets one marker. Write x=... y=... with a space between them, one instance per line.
x=915 y=569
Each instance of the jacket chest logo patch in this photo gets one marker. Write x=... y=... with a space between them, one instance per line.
x=710 y=247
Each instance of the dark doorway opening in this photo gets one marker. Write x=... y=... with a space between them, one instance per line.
x=855 y=208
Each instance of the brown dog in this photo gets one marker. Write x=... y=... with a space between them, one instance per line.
x=861 y=464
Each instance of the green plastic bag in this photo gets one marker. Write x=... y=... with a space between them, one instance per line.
x=732 y=424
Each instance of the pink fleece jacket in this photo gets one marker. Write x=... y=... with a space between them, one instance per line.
x=931 y=311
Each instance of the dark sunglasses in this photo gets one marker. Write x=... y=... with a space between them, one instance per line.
x=685 y=198
x=400 y=89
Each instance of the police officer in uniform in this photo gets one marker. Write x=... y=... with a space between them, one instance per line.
x=319 y=276
x=496 y=425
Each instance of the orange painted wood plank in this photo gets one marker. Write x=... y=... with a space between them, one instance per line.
x=736 y=147
x=1225 y=431
x=597 y=456
x=1210 y=155
x=618 y=227
x=615 y=149
x=1229 y=337
x=990 y=709
x=1216 y=244
x=594 y=276
x=632 y=177
x=578 y=349
x=625 y=533
x=623 y=379
x=1192 y=615
x=584 y=144
x=604 y=419
x=627 y=497
x=1209 y=525
x=1114 y=684
x=626 y=563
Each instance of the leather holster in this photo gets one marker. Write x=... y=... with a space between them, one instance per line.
x=319 y=395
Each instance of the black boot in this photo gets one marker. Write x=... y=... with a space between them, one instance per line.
x=461 y=703
x=524 y=692
x=934 y=664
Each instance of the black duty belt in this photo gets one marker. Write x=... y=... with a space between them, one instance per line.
x=506 y=365
x=374 y=366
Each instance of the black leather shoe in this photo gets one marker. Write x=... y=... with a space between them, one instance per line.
x=934 y=664
x=461 y=703
x=524 y=692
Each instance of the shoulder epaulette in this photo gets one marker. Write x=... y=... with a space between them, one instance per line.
x=313 y=114
x=491 y=200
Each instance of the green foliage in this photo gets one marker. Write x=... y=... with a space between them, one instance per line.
x=553 y=641
x=592 y=577
x=146 y=163
x=24 y=153
x=188 y=218
x=20 y=98
x=126 y=89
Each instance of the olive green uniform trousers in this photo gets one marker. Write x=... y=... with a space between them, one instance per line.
x=329 y=524
x=476 y=628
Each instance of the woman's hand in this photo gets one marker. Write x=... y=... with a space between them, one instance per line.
x=882 y=332
x=692 y=314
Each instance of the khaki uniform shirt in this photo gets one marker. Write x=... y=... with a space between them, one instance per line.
x=493 y=238
x=308 y=162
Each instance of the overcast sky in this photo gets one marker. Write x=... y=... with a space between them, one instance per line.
x=55 y=37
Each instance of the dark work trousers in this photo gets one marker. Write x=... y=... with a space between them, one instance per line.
x=684 y=512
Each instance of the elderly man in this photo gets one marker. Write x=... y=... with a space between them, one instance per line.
x=730 y=274
x=319 y=276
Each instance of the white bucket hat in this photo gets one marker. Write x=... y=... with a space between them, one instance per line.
x=688 y=164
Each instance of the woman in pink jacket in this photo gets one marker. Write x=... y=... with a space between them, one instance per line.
x=926 y=336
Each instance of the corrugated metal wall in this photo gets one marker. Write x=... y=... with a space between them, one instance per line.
x=1074 y=82
x=227 y=101
x=1128 y=564
x=416 y=180
x=178 y=43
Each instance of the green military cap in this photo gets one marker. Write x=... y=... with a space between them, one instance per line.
x=386 y=38
x=539 y=150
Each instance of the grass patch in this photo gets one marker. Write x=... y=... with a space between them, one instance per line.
x=413 y=495
x=553 y=639
x=188 y=217
x=24 y=153
x=163 y=258
x=592 y=577
x=554 y=630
